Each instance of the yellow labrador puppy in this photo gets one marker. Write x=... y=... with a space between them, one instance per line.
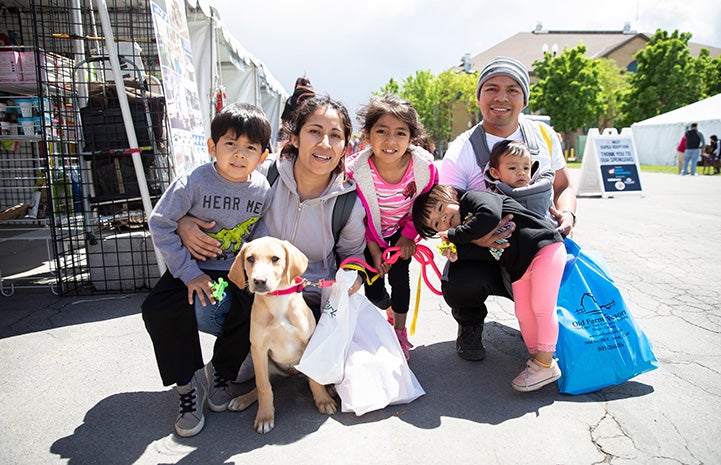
x=281 y=323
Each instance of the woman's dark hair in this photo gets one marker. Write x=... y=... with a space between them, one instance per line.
x=427 y=203
x=507 y=147
x=397 y=107
x=300 y=117
x=242 y=119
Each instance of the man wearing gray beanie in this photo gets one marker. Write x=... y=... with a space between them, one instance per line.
x=502 y=94
x=505 y=66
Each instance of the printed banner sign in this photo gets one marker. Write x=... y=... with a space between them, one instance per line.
x=610 y=164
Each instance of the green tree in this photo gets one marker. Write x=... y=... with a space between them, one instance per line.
x=463 y=85
x=435 y=97
x=713 y=84
x=568 y=90
x=422 y=91
x=667 y=77
x=391 y=88
x=709 y=71
x=450 y=88
x=614 y=86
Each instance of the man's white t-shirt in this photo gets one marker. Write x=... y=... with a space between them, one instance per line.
x=460 y=169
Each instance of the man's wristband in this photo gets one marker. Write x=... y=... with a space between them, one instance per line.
x=572 y=214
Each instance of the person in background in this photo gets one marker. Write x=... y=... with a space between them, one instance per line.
x=502 y=93
x=303 y=90
x=389 y=175
x=711 y=160
x=680 y=149
x=694 y=144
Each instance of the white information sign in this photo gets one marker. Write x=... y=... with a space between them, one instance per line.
x=610 y=164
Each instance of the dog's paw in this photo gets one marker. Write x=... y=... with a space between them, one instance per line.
x=322 y=398
x=327 y=406
x=243 y=402
x=264 y=423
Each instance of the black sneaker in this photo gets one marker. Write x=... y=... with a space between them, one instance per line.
x=469 y=343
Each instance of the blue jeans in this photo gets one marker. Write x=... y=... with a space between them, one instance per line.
x=690 y=156
x=211 y=317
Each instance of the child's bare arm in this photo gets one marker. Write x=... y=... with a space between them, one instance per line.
x=408 y=247
x=378 y=261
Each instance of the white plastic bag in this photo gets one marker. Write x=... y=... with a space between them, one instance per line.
x=376 y=371
x=324 y=358
x=356 y=349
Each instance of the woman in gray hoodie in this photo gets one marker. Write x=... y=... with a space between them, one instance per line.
x=311 y=178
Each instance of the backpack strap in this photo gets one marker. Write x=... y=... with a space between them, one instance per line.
x=341 y=209
x=341 y=212
x=480 y=145
x=272 y=172
x=479 y=142
x=529 y=136
x=546 y=137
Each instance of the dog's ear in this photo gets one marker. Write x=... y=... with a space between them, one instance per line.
x=237 y=269
x=296 y=262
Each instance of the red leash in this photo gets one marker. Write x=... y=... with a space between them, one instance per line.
x=423 y=255
x=298 y=285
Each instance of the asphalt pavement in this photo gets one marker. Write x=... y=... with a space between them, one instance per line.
x=80 y=385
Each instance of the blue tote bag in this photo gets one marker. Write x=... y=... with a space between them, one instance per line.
x=599 y=342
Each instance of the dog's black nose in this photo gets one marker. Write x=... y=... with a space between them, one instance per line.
x=260 y=282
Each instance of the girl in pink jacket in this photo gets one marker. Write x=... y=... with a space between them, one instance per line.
x=389 y=175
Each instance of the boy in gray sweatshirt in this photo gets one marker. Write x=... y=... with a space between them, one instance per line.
x=231 y=193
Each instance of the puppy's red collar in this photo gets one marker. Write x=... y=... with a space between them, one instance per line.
x=298 y=285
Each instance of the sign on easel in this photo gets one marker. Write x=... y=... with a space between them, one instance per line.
x=610 y=164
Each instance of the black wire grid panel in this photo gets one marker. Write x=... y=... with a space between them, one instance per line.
x=65 y=153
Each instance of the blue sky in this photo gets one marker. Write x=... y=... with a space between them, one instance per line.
x=350 y=48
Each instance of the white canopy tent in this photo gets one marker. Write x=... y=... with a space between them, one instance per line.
x=220 y=60
x=656 y=138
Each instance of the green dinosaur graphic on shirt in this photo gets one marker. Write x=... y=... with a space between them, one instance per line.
x=235 y=235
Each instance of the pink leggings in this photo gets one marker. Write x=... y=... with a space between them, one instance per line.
x=535 y=296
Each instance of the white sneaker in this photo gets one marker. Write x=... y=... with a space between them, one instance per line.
x=535 y=376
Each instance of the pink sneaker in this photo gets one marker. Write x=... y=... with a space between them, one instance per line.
x=535 y=376
x=402 y=336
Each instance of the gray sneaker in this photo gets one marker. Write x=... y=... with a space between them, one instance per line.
x=190 y=418
x=246 y=371
x=219 y=395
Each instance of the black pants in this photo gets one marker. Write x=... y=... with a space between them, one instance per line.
x=173 y=329
x=399 y=281
x=467 y=284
